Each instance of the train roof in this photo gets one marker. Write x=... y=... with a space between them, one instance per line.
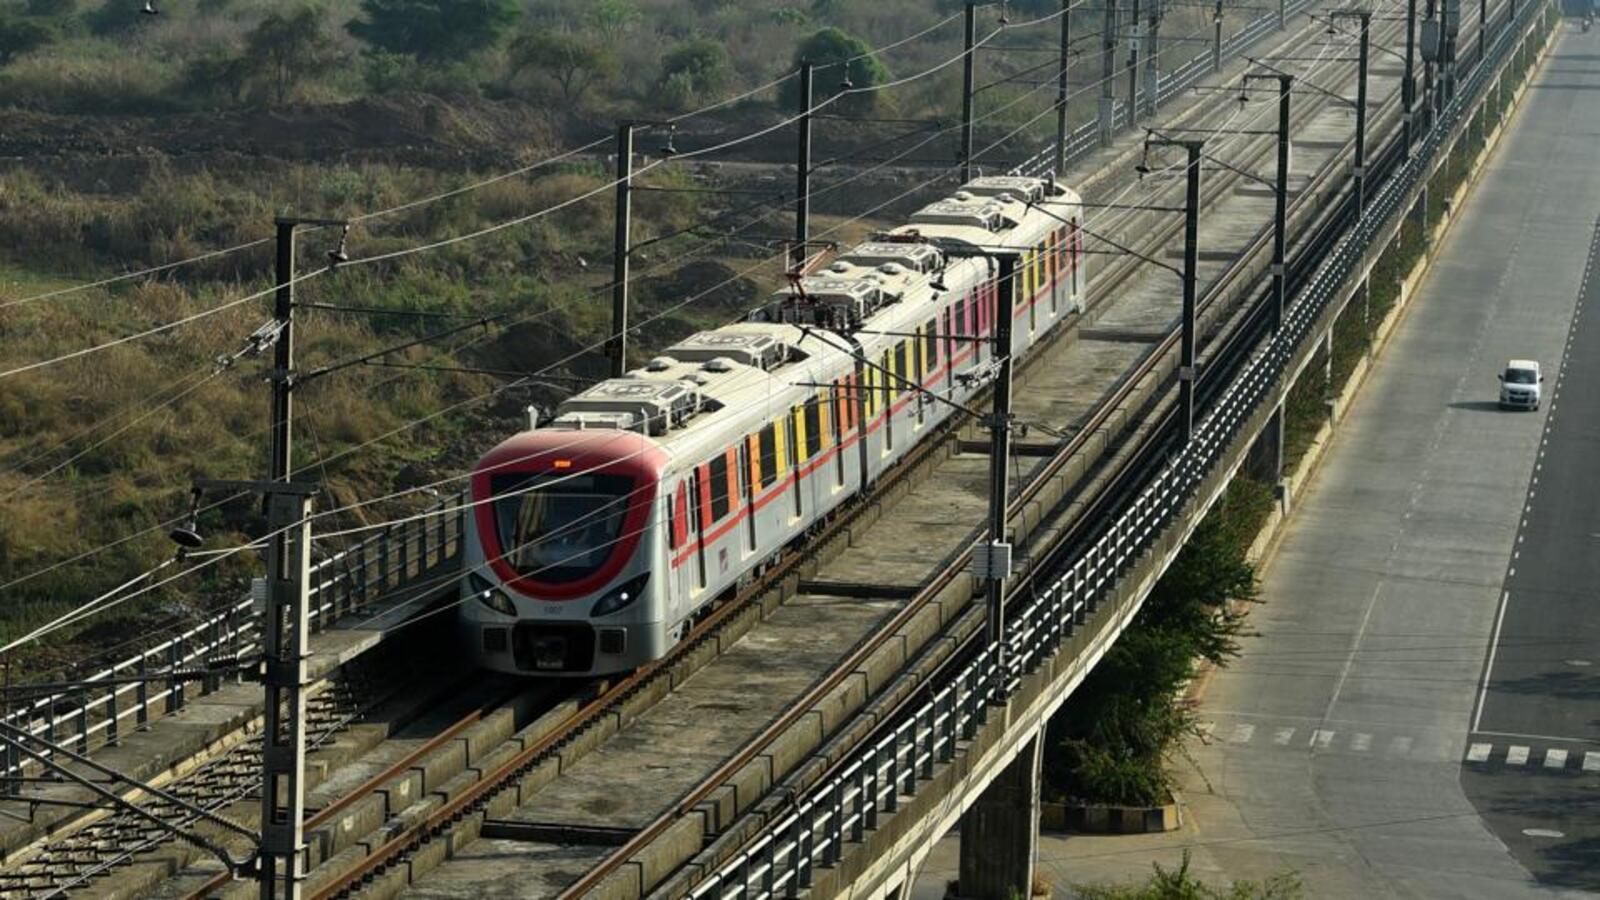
x=737 y=378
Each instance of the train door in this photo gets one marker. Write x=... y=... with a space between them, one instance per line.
x=699 y=503
x=681 y=585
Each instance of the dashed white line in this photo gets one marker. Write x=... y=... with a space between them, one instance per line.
x=1242 y=733
x=1555 y=758
x=1282 y=736
x=1478 y=753
x=1517 y=756
x=1321 y=738
x=1400 y=746
x=1591 y=761
x=1361 y=743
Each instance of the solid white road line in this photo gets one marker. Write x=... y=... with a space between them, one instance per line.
x=1488 y=667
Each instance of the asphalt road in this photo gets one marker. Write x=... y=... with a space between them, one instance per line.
x=1534 y=756
x=1338 y=744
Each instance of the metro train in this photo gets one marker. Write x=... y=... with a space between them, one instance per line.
x=595 y=540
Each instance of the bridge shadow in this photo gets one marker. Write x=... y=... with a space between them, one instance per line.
x=1560 y=685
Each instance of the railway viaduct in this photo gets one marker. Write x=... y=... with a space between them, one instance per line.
x=930 y=723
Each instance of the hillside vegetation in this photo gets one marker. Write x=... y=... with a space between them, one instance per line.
x=134 y=140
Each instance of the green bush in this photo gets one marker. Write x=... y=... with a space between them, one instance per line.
x=1178 y=884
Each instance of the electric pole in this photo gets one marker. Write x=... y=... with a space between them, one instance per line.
x=1408 y=88
x=1280 y=211
x=285 y=625
x=802 y=190
x=1216 y=38
x=1134 y=36
x=995 y=555
x=1108 y=69
x=967 y=75
x=617 y=346
x=1061 y=89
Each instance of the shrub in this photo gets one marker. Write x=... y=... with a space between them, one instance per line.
x=433 y=30
x=19 y=36
x=832 y=47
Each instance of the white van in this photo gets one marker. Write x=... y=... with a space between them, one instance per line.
x=1519 y=385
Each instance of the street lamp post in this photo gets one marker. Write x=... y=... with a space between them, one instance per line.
x=1187 y=371
x=1280 y=213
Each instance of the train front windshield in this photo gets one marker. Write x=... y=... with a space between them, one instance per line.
x=556 y=527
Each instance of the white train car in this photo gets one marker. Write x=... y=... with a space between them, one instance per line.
x=595 y=540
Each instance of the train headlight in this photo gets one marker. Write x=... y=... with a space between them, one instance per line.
x=618 y=598
x=492 y=597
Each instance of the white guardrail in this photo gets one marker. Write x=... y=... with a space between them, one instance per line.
x=872 y=778
x=96 y=713
x=106 y=703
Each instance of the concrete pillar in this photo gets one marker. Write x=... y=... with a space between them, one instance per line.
x=1000 y=832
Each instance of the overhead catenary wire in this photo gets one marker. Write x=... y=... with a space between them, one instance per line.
x=830 y=229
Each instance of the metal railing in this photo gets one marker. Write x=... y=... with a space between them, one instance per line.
x=873 y=778
x=104 y=705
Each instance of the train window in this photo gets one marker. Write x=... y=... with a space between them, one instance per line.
x=1038 y=267
x=769 y=456
x=679 y=515
x=930 y=343
x=781 y=428
x=825 y=413
x=747 y=491
x=919 y=366
x=886 y=380
x=1027 y=276
x=811 y=428
x=902 y=366
x=802 y=444
x=717 y=487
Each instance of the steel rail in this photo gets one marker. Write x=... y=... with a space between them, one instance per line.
x=372 y=784
x=803 y=705
x=593 y=711
x=1243 y=338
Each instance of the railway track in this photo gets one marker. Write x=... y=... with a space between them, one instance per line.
x=559 y=736
x=625 y=701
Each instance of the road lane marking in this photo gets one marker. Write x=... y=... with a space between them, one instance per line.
x=1555 y=758
x=1282 y=736
x=1400 y=746
x=1517 y=756
x=1243 y=732
x=1479 y=753
x=1322 y=738
x=1361 y=743
x=1591 y=761
x=1488 y=666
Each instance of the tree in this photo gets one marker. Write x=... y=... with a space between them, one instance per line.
x=434 y=30
x=19 y=36
x=613 y=17
x=287 y=46
x=573 y=62
x=831 y=47
x=693 y=70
